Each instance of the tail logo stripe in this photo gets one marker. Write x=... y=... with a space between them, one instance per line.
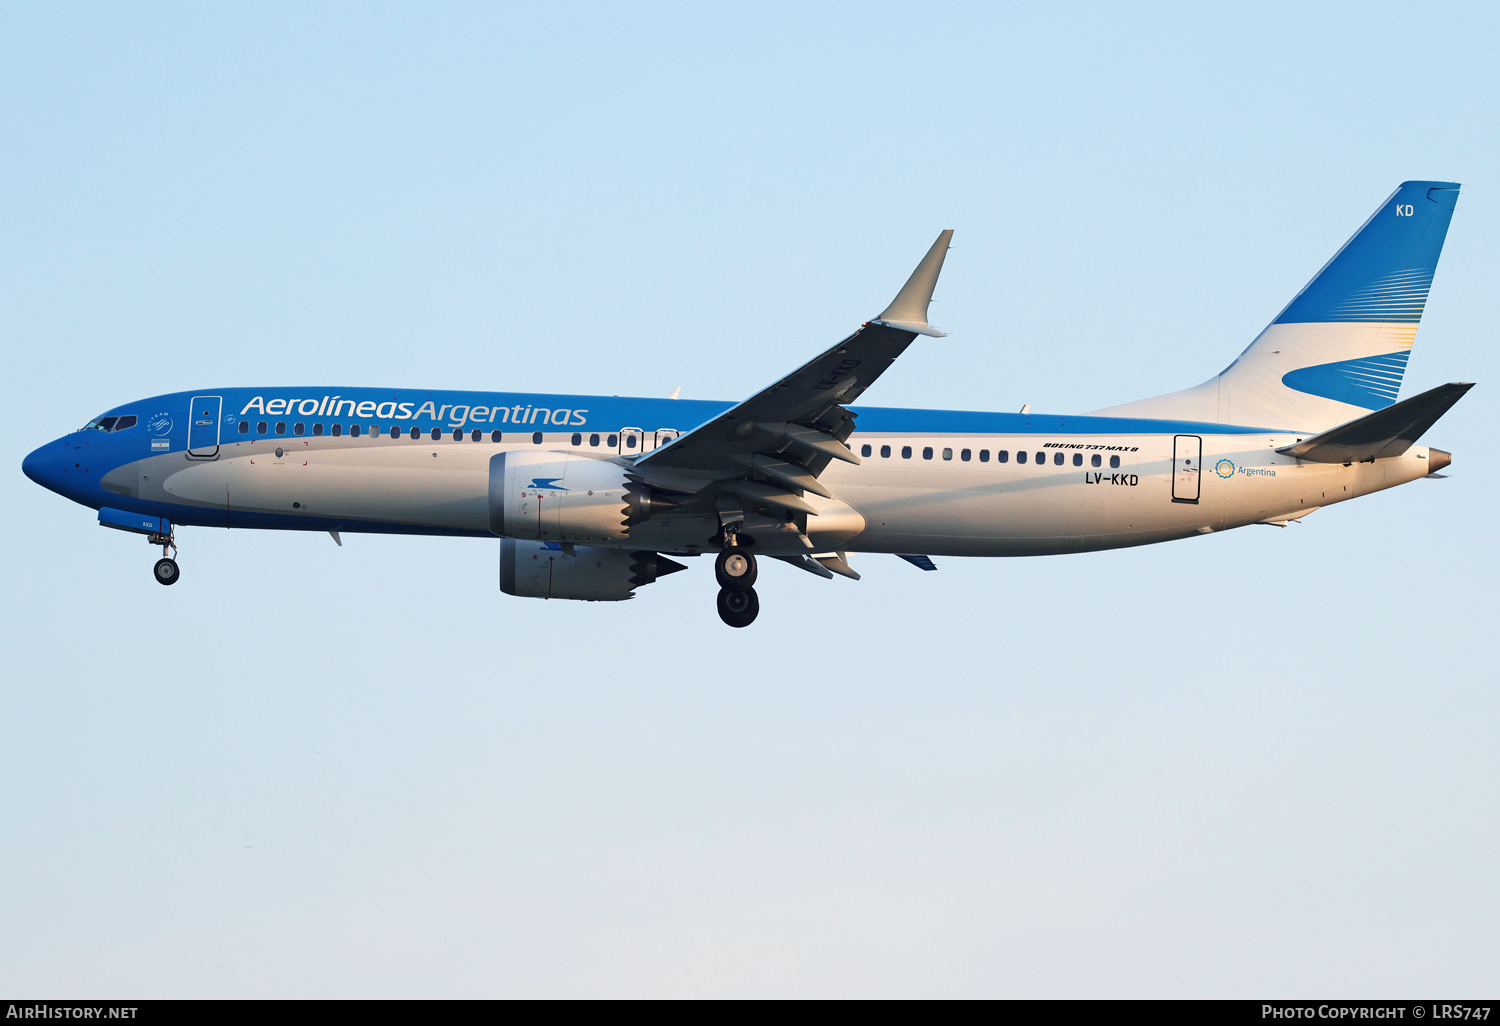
x=1371 y=382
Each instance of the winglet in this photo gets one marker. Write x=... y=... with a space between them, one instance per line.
x=908 y=310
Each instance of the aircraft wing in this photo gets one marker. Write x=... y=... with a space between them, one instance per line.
x=777 y=442
x=1387 y=432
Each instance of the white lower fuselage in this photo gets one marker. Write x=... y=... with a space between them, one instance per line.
x=936 y=505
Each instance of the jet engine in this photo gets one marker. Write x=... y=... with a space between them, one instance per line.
x=550 y=570
x=559 y=497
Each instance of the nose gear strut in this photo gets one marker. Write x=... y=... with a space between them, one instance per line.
x=166 y=570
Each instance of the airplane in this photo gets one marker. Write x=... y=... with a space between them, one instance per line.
x=593 y=497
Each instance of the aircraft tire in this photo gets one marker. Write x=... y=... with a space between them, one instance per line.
x=735 y=569
x=738 y=607
x=166 y=571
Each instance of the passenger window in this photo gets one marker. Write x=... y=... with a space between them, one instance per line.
x=437 y=433
x=927 y=452
x=1094 y=460
x=244 y=427
x=396 y=430
x=458 y=434
x=629 y=441
x=885 y=452
x=536 y=438
x=416 y=432
x=966 y=455
x=317 y=429
x=593 y=439
x=614 y=440
x=1041 y=458
x=864 y=450
x=353 y=430
x=948 y=454
x=281 y=427
x=577 y=438
x=475 y=435
x=338 y=429
x=984 y=455
x=1078 y=459
x=1020 y=457
x=1058 y=459
x=297 y=428
x=906 y=452
x=1003 y=456
x=494 y=436
x=1114 y=463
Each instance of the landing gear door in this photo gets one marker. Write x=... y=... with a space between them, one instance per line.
x=630 y=441
x=203 y=427
x=1187 y=463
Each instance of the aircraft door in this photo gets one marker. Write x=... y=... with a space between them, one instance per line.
x=203 y=426
x=665 y=435
x=1187 y=464
x=630 y=441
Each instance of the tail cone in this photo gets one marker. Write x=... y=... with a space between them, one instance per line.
x=1437 y=459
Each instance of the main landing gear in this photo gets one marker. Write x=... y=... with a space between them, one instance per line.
x=736 y=572
x=165 y=571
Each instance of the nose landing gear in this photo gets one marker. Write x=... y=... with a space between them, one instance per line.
x=166 y=570
x=736 y=571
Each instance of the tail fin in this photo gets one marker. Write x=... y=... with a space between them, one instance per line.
x=1340 y=347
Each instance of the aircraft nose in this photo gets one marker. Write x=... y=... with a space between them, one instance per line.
x=44 y=466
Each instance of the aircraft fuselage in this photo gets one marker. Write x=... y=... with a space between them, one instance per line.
x=930 y=481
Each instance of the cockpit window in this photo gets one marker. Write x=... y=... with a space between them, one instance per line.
x=110 y=424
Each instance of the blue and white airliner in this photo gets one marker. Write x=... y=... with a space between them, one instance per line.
x=592 y=497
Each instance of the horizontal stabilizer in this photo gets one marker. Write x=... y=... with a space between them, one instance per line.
x=1384 y=433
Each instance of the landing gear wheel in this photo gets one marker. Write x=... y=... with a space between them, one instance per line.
x=166 y=571
x=735 y=569
x=738 y=607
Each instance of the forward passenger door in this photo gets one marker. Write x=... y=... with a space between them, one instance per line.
x=203 y=426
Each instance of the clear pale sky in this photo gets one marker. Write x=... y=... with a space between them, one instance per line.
x=1257 y=763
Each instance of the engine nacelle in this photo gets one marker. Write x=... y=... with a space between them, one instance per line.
x=557 y=497
x=548 y=570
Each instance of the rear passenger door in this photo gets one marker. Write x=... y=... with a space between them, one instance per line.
x=1187 y=460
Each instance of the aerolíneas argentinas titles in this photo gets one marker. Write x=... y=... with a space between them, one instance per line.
x=593 y=496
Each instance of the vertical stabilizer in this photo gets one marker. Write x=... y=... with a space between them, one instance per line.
x=1340 y=347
